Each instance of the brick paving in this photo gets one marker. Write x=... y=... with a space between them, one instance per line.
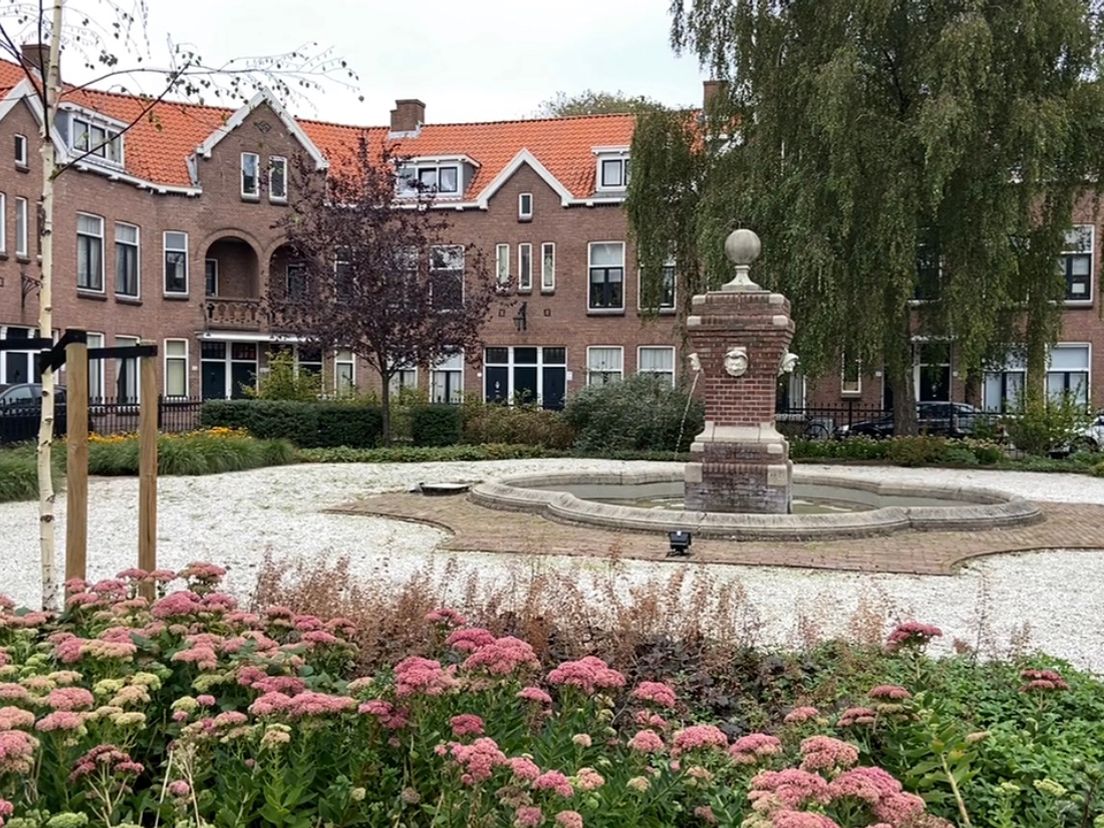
x=476 y=528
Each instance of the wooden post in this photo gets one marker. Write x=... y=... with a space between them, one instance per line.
x=147 y=469
x=76 y=467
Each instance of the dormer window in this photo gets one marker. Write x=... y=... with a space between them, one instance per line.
x=431 y=179
x=95 y=139
x=613 y=168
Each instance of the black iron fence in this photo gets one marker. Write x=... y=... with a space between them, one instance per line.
x=19 y=421
x=853 y=418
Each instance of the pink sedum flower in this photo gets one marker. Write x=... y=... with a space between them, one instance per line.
x=416 y=675
x=1042 y=681
x=891 y=692
x=588 y=673
x=569 y=819
x=657 y=693
x=466 y=724
x=554 y=781
x=470 y=639
x=825 y=753
x=524 y=768
x=698 y=737
x=502 y=657
x=646 y=741
x=69 y=698
x=750 y=749
x=16 y=718
x=911 y=634
x=528 y=816
x=705 y=814
x=179 y=788
x=60 y=720
x=445 y=615
x=534 y=694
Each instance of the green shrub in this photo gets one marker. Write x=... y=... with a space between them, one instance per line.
x=986 y=452
x=1046 y=424
x=517 y=425
x=284 y=382
x=853 y=448
x=916 y=451
x=307 y=424
x=194 y=453
x=424 y=454
x=958 y=455
x=435 y=425
x=639 y=412
x=19 y=473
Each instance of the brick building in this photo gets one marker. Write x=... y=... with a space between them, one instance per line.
x=167 y=234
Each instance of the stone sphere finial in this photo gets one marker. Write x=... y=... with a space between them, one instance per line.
x=743 y=247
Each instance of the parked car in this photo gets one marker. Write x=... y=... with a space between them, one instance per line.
x=940 y=418
x=21 y=410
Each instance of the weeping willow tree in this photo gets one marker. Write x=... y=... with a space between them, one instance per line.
x=862 y=137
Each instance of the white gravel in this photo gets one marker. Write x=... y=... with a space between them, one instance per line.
x=1051 y=599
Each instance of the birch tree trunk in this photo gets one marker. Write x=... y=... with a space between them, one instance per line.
x=51 y=588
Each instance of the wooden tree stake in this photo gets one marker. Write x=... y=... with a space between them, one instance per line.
x=76 y=468
x=147 y=470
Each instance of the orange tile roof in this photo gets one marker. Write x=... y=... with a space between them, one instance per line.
x=158 y=146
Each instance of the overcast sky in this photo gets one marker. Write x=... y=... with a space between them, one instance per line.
x=467 y=59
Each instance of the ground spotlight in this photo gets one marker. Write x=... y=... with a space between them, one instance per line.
x=680 y=543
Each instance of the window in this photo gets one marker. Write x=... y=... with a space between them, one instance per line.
x=502 y=264
x=659 y=361
x=95 y=368
x=20 y=226
x=525 y=266
x=525 y=375
x=227 y=370
x=344 y=373
x=126 y=373
x=850 y=376
x=21 y=150
x=1075 y=263
x=933 y=372
x=18 y=366
x=446 y=379
x=433 y=179
x=126 y=260
x=308 y=360
x=210 y=277
x=297 y=280
x=446 y=276
x=90 y=252
x=548 y=267
x=1002 y=388
x=1068 y=373
x=277 y=178
x=96 y=140
x=613 y=173
x=176 y=262
x=658 y=297
x=404 y=382
x=604 y=365
x=250 y=175
x=3 y=224
x=176 y=367
x=525 y=207
x=607 y=276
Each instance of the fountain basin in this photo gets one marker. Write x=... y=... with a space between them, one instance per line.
x=842 y=507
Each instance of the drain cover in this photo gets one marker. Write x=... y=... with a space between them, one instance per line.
x=435 y=489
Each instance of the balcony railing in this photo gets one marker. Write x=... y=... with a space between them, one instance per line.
x=235 y=313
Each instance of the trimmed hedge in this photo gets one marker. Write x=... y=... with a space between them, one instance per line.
x=306 y=424
x=435 y=425
x=517 y=425
x=639 y=413
x=425 y=454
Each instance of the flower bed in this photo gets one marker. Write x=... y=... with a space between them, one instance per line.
x=190 y=711
x=205 y=451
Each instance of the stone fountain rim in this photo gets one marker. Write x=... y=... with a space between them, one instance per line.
x=982 y=508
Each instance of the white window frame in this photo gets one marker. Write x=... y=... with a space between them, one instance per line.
x=397 y=385
x=338 y=360
x=256 y=192
x=1010 y=366
x=94 y=339
x=590 y=266
x=511 y=364
x=273 y=162
x=21 y=229
x=674 y=361
x=502 y=260
x=590 y=371
x=1087 y=346
x=857 y=389
x=112 y=145
x=523 y=214
x=611 y=156
x=137 y=245
x=412 y=172
x=206 y=261
x=103 y=253
x=187 y=367
x=437 y=369
x=124 y=341
x=661 y=309
x=1087 y=300
x=3 y=223
x=525 y=274
x=165 y=249
x=548 y=274
x=31 y=354
x=463 y=272
x=20 y=144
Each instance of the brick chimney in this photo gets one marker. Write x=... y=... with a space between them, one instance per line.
x=712 y=91
x=408 y=115
x=36 y=55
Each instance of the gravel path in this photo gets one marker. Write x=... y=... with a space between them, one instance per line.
x=1052 y=598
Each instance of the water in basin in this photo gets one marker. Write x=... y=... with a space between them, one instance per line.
x=808 y=498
